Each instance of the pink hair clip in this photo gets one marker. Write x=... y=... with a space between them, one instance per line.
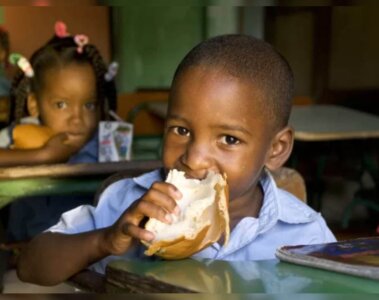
x=112 y=71
x=22 y=63
x=81 y=40
x=61 y=29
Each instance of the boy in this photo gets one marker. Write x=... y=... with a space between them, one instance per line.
x=228 y=111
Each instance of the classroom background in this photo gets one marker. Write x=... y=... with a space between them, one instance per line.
x=333 y=51
x=331 y=45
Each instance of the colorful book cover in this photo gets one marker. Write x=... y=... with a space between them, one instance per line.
x=359 y=257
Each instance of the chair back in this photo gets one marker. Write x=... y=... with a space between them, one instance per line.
x=291 y=181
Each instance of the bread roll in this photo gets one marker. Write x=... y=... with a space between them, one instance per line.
x=203 y=217
x=29 y=136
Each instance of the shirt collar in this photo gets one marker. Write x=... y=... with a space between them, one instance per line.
x=147 y=179
x=279 y=205
x=269 y=213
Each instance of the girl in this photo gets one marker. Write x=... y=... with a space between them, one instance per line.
x=67 y=89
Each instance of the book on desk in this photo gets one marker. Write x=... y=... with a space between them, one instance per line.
x=359 y=257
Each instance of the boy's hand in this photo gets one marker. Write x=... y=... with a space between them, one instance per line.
x=158 y=202
x=57 y=149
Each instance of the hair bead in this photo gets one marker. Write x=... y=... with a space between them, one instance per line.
x=22 y=63
x=112 y=71
x=81 y=40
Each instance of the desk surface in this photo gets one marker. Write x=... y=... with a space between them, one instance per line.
x=320 y=122
x=133 y=167
x=331 y=122
x=269 y=276
x=64 y=179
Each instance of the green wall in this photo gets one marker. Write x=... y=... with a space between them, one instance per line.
x=149 y=42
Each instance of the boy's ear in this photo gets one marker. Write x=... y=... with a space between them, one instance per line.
x=281 y=149
x=32 y=105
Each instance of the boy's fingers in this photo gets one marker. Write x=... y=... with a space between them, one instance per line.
x=148 y=209
x=137 y=232
x=163 y=200
x=167 y=196
x=168 y=188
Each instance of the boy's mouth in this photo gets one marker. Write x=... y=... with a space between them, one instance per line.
x=196 y=175
x=189 y=176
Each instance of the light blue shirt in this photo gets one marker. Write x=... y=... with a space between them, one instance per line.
x=283 y=220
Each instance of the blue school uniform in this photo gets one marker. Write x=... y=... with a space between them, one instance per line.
x=283 y=220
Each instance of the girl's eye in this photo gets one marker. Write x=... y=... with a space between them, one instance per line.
x=61 y=104
x=230 y=140
x=91 y=105
x=181 y=131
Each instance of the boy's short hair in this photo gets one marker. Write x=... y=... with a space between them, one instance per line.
x=252 y=60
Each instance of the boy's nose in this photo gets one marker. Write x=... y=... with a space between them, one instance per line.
x=197 y=158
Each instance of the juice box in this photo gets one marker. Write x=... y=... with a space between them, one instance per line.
x=115 y=141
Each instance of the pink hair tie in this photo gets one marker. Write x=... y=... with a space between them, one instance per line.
x=61 y=29
x=81 y=40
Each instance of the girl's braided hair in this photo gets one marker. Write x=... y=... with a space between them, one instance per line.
x=59 y=52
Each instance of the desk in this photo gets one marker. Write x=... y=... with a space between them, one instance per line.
x=331 y=122
x=64 y=179
x=270 y=276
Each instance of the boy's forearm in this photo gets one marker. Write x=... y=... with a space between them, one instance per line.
x=51 y=258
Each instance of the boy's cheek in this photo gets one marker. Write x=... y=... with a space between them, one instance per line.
x=169 y=157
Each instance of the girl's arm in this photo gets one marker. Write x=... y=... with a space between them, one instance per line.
x=17 y=157
x=54 y=151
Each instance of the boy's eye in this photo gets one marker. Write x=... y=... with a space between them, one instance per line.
x=181 y=131
x=230 y=140
x=61 y=104
x=90 y=105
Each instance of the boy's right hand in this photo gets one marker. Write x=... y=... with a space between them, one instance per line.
x=57 y=150
x=158 y=202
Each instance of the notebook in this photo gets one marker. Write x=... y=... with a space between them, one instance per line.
x=359 y=257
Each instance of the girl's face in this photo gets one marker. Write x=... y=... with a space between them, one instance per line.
x=67 y=102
